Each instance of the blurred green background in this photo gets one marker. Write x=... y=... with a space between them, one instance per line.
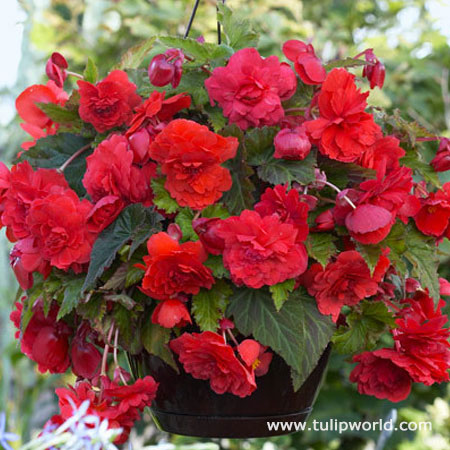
x=410 y=36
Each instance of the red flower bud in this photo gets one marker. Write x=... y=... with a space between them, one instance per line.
x=166 y=68
x=310 y=200
x=56 y=69
x=24 y=277
x=321 y=178
x=171 y=313
x=369 y=224
x=50 y=349
x=441 y=162
x=139 y=143
x=411 y=285
x=324 y=221
x=292 y=144
x=174 y=231
x=374 y=72
x=86 y=359
x=307 y=65
x=226 y=324
x=444 y=287
x=205 y=229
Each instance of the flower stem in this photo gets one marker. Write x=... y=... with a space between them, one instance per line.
x=191 y=19
x=106 y=350
x=74 y=74
x=232 y=337
x=74 y=156
x=116 y=361
x=294 y=110
x=332 y=186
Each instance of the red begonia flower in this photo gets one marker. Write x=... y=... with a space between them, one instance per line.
x=110 y=172
x=343 y=131
x=27 y=185
x=190 y=156
x=57 y=223
x=39 y=93
x=383 y=156
x=433 y=218
x=250 y=88
x=109 y=103
x=287 y=205
x=206 y=356
x=261 y=250
x=378 y=374
x=441 y=162
x=45 y=340
x=345 y=281
x=172 y=268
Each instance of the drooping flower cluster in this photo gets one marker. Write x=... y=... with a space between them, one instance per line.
x=421 y=353
x=119 y=404
x=159 y=220
x=207 y=356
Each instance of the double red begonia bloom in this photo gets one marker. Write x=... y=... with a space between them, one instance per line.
x=49 y=220
x=190 y=156
x=172 y=268
x=250 y=88
x=27 y=185
x=345 y=281
x=343 y=131
x=307 y=65
x=378 y=374
x=171 y=313
x=261 y=251
x=390 y=192
x=383 y=156
x=45 y=340
x=109 y=103
x=206 y=356
x=287 y=205
x=120 y=405
x=433 y=218
x=110 y=172
x=441 y=162
x=422 y=339
x=37 y=123
x=57 y=224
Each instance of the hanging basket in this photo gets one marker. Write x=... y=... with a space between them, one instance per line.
x=187 y=406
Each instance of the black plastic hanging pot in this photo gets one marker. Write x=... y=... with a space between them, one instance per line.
x=187 y=406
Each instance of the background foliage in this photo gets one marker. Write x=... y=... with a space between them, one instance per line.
x=417 y=58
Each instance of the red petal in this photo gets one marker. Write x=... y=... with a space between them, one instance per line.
x=249 y=351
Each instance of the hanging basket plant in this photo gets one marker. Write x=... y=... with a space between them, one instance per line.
x=223 y=219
